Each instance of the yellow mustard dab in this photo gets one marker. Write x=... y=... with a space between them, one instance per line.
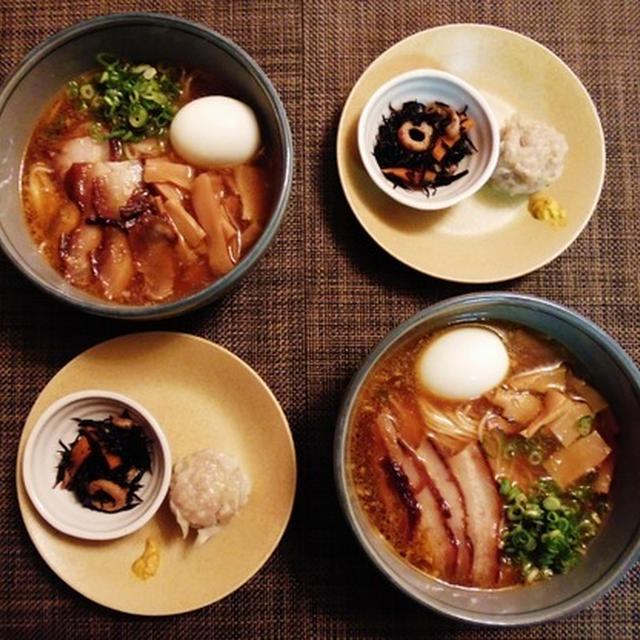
x=147 y=564
x=547 y=209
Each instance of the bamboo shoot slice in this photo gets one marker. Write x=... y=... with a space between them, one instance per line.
x=568 y=464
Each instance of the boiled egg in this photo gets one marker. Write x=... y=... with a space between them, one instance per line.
x=463 y=363
x=215 y=132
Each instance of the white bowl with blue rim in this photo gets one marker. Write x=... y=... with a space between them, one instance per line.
x=42 y=455
x=426 y=86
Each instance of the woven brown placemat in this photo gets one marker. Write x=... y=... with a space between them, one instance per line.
x=317 y=303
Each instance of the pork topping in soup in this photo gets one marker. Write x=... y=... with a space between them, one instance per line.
x=116 y=210
x=491 y=488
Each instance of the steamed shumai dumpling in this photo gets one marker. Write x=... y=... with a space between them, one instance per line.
x=207 y=489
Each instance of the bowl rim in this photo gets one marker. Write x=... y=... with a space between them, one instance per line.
x=226 y=282
x=371 y=167
x=162 y=449
x=627 y=557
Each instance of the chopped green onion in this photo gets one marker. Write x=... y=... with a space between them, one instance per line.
x=532 y=575
x=138 y=116
x=581 y=492
x=97 y=132
x=106 y=59
x=585 y=425
x=587 y=528
x=532 y=511
x=515 y=512
x=520 y=499
x=132 y=102
x=505 y=486
x=573 y=539
x=522 y=539
x=163 y=120
x=72 y=89
x=535 y=457
x=87 y=92
x=551 y=503
x=545 y=532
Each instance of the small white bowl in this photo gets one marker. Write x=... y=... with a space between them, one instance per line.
x=59 y=507
x=429 y=85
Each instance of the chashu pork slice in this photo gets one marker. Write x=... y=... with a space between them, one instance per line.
x=152 y=240
x=457 y=517
x=412 y=429
x=484 y=510
x=105 y=190
x=114 y=264
x=432 y=537
x=77 y=253
x=80 y=150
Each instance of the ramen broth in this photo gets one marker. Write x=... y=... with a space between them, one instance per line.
x=484 y=492
x=132 y=222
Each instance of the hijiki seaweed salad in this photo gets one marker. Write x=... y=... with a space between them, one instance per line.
x=105 y=464
x=420 y=146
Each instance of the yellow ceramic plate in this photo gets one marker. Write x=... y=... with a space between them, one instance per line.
x=203 y=396
x=487 y=238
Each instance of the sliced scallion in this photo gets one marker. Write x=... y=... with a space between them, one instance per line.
x=131 y=102
x=585 y=425
x=138 y=116
x=515 y=512
x=551 y=503
x=545 y=532
x=535 y=457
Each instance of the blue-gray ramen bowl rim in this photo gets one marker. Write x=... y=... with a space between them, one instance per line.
x=229 y=280
x=473 y=308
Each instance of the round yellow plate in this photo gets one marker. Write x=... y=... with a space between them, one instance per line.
x=203 y=396
x=489 y=237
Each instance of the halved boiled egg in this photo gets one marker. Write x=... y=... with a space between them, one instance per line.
x=215 y=132
x=463 y=363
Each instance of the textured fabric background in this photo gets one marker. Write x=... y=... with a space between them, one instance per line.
x=317 y=303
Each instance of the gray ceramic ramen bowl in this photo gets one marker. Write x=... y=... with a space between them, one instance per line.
x=138 y=36
x=600 y=360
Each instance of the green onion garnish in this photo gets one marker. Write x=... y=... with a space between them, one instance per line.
x=131 y=102
x=515 y=512
x=535 y=457
x=551 y=503
x=585 y=425
x=544 y=532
